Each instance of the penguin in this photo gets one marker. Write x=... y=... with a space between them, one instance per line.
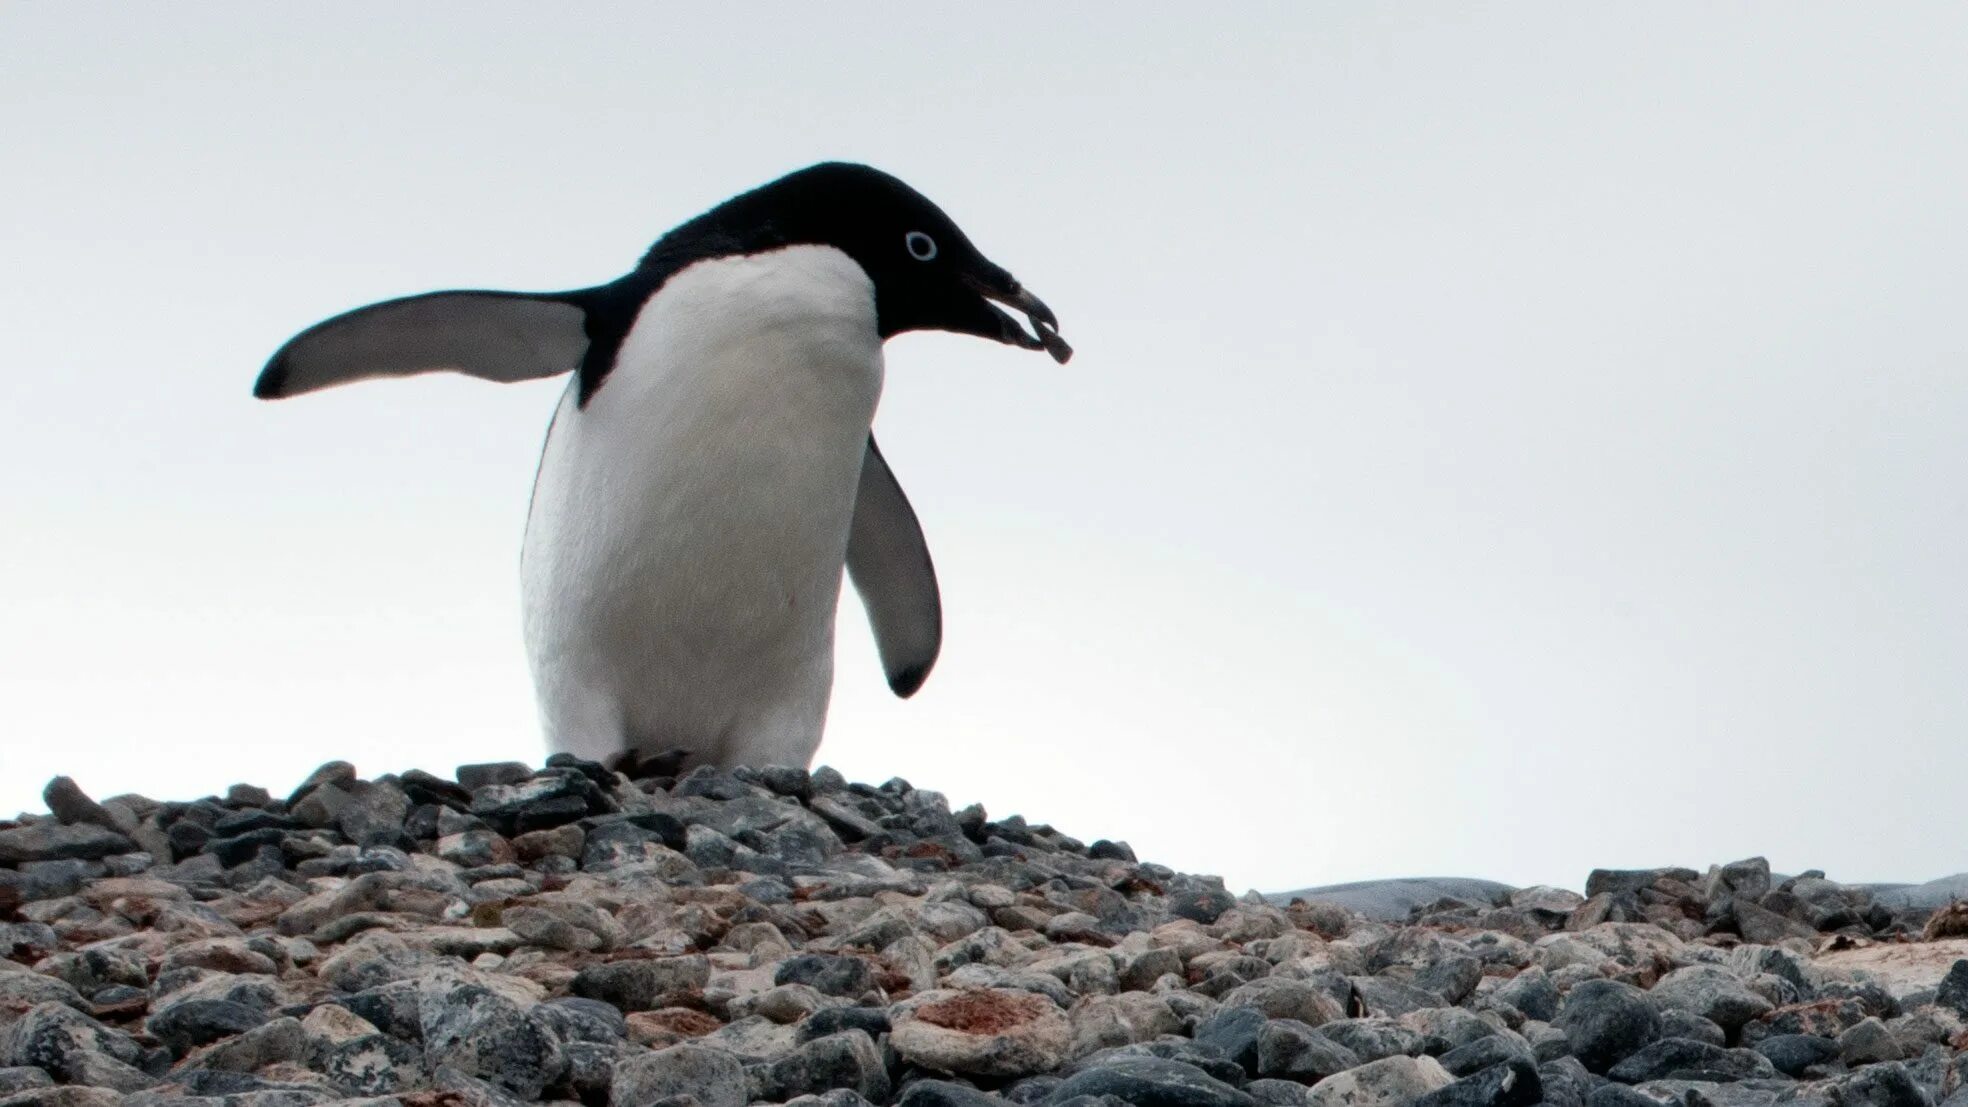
x=711 y=468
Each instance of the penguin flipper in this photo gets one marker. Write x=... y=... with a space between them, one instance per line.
x=888 y=561
x=500 y=336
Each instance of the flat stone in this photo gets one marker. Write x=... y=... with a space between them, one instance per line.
x=1285 y=998
x=1496 y=1049
x=1389 y=1082
x=1150 y=1082
x=1291 y=1050
x=827 y=973
x=50 y=841
x=1792 y=1054
x=196 y=1022
x=20 y=1078
x=642 y=985
x=47 y=1034
x=1103 y=1021
x=986 y=1032
x=1373 y=1038
x=64 y=1097
x=1883 y=1085
x=945 y=1093
x=1512 y=1083
x=1683 y=1058
x=711 y=1077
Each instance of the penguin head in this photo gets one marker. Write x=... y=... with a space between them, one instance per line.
x=926 y=273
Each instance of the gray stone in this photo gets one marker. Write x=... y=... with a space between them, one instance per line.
x=1604 y=1021
x=1619 y=1095
x=21 y=1078
x=25 y=989
x=1453 y=978
x=1233 y=1032
x=712 y=1077
x=1869 y=1042
x=1749 y=878
x=1766 y=927
x=71 y=804
x=1512 y=1083
x=196 y=1022
x=1953 y=991
x=64 y=1097
x=1684 y=1058
x=1566 y=1083
x=100 y=1070
x=374 y=814
x=1373 y=1038
x=945 y=1093
x=52 y=841
x=1532 y=992
x=587 y=1020
x=1676 y=1023
x=1445 y=1028
x=1151 y=1082
x=1389 y=1082
x=352 y=1052
x=642 y=985
x=847 y=1060
x=266 y=1044
x=1385 y=995
x=1792 y=1054
x=471 y=1028
x=1291 y=1050
x=1883 y=1085
x=476 y=776
x=1285 y=998
x=1712 y=992
x=1496 y=1049
x=49 y=1032
x=829 y=974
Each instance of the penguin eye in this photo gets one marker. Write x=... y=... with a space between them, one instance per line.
x=921 y=246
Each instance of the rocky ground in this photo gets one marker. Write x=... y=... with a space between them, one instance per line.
x=573 y=934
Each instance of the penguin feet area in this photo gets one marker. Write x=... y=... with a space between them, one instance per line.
x=577 y=934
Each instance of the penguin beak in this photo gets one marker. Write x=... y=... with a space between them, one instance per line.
x=1003 y=289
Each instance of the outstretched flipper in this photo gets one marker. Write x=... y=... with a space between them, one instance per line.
x=500 y=336
x=888 y=561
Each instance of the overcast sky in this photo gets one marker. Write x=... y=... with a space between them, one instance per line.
x=1501 y=442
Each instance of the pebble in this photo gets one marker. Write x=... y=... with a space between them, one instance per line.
x=779 y=936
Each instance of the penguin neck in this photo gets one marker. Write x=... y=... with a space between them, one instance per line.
x=782 y=342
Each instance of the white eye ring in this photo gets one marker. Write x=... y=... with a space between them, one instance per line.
x=921 y=246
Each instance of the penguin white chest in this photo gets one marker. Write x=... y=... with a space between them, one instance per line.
x=683 y=556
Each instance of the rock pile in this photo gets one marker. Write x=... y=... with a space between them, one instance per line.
x=719 y=939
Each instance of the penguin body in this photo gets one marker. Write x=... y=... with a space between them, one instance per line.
x=727 y=450
x=709 y=470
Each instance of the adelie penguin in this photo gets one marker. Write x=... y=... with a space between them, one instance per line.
x=710 y=468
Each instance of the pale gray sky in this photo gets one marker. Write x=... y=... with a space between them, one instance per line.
x=1502 y=441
